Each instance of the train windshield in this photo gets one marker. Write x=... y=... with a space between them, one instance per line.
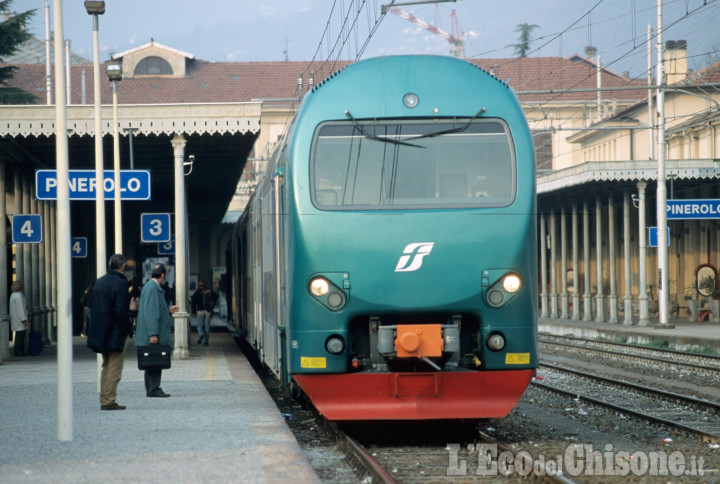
x=433 y=164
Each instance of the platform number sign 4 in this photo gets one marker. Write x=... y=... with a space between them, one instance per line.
x=78 y=247
x=155 y=227
x=27 y=229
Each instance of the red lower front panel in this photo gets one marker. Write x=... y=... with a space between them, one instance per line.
x=415 y=396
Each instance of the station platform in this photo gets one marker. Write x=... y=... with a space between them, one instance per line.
x=219 y=425
x=682 y=336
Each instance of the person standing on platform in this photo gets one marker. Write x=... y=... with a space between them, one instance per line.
x=134 y=293
x=109 y=327
x=154 y=324
x=85 y=303
x=202 y=303
x=19 y=321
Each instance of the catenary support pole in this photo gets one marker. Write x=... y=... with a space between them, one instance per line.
x=65 y=349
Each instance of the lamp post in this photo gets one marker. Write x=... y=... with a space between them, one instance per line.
x=95 y=9
x=114 y=73
x=98 y=8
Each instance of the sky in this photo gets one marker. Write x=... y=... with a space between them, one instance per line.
x=273 y=30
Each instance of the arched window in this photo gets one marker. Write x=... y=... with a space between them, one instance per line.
x=153 y=66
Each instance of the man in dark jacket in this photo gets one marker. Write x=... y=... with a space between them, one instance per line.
x=109 y=327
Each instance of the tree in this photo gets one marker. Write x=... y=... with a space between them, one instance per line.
x=12 y=35
x=523 y=46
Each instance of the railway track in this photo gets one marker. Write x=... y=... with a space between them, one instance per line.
x=421 y=453
x=708 y=364
x=690 y=414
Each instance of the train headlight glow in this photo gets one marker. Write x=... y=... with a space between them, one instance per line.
x=335 y=345
x=512 y=283
x=507 y=286
x=326 y=290
x=319 y=287
x=495 y=342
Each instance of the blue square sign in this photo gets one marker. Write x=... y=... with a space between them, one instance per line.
x=78 y=247
x=155 y=227
x=27 y=229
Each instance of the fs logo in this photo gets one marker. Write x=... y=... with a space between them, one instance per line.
x=412 y=257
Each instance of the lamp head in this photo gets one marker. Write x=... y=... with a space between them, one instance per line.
x=114 y=72
x=94 y=7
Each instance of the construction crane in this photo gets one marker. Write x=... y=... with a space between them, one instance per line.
x=456 y=38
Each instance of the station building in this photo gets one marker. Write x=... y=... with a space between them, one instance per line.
x=222 y=120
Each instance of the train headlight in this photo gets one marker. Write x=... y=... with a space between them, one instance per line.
x=506 y=287
x=335 y=345
x=335 y=300
x=327 y=292
x=319 y=287
x=411 y=100
x=512 y=283
x=495 y=342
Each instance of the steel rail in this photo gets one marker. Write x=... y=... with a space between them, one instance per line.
x=634 y=347
x=653 y=391
x=635 y=356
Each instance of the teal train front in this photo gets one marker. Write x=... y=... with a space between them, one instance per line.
x=386 y=265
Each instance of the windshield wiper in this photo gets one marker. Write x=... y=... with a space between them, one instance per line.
x=378 y=138
x=459 y=129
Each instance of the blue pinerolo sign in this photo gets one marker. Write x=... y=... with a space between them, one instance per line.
x=693 y=209
x=134 y=184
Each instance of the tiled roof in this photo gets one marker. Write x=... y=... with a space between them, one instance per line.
x=245 y=81
x=33 y=52
x=709 y=74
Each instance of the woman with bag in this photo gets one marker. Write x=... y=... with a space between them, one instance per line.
x=19 y=321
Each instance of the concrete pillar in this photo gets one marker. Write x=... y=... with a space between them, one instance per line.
x=42 y=283
x=19 y=248
x=4 y=269
x=576 y=266
x=48 y=272
x=27 y=262
x=36 y=324
x=553 y=267
x=543 y=268
x=53 y=263
x=642 y=290
x=181 y=350
x=600 y=294
x=563 y=265
x=626 y=260
x=587 y=298
x=613 y=296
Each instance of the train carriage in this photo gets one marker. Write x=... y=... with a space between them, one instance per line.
x=386 y=264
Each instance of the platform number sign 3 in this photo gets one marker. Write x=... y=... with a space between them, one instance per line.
x=27 y=229
x=155 y=227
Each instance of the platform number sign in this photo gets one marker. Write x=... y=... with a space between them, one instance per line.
x=27 y=229
x=78 y=247
x=155 y=227
x=167 y=248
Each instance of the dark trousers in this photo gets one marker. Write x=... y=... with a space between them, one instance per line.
x=20 y=342
x=152 y=380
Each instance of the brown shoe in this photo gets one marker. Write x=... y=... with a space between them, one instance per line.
x=112 y=406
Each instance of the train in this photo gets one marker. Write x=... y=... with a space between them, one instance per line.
x=385 y=267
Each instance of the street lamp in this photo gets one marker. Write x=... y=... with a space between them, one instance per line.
x=95 y=8
x=114 y=74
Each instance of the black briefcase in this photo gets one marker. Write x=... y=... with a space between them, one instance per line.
x=154 y=357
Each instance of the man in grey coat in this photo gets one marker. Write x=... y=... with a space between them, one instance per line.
x=154 y=324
